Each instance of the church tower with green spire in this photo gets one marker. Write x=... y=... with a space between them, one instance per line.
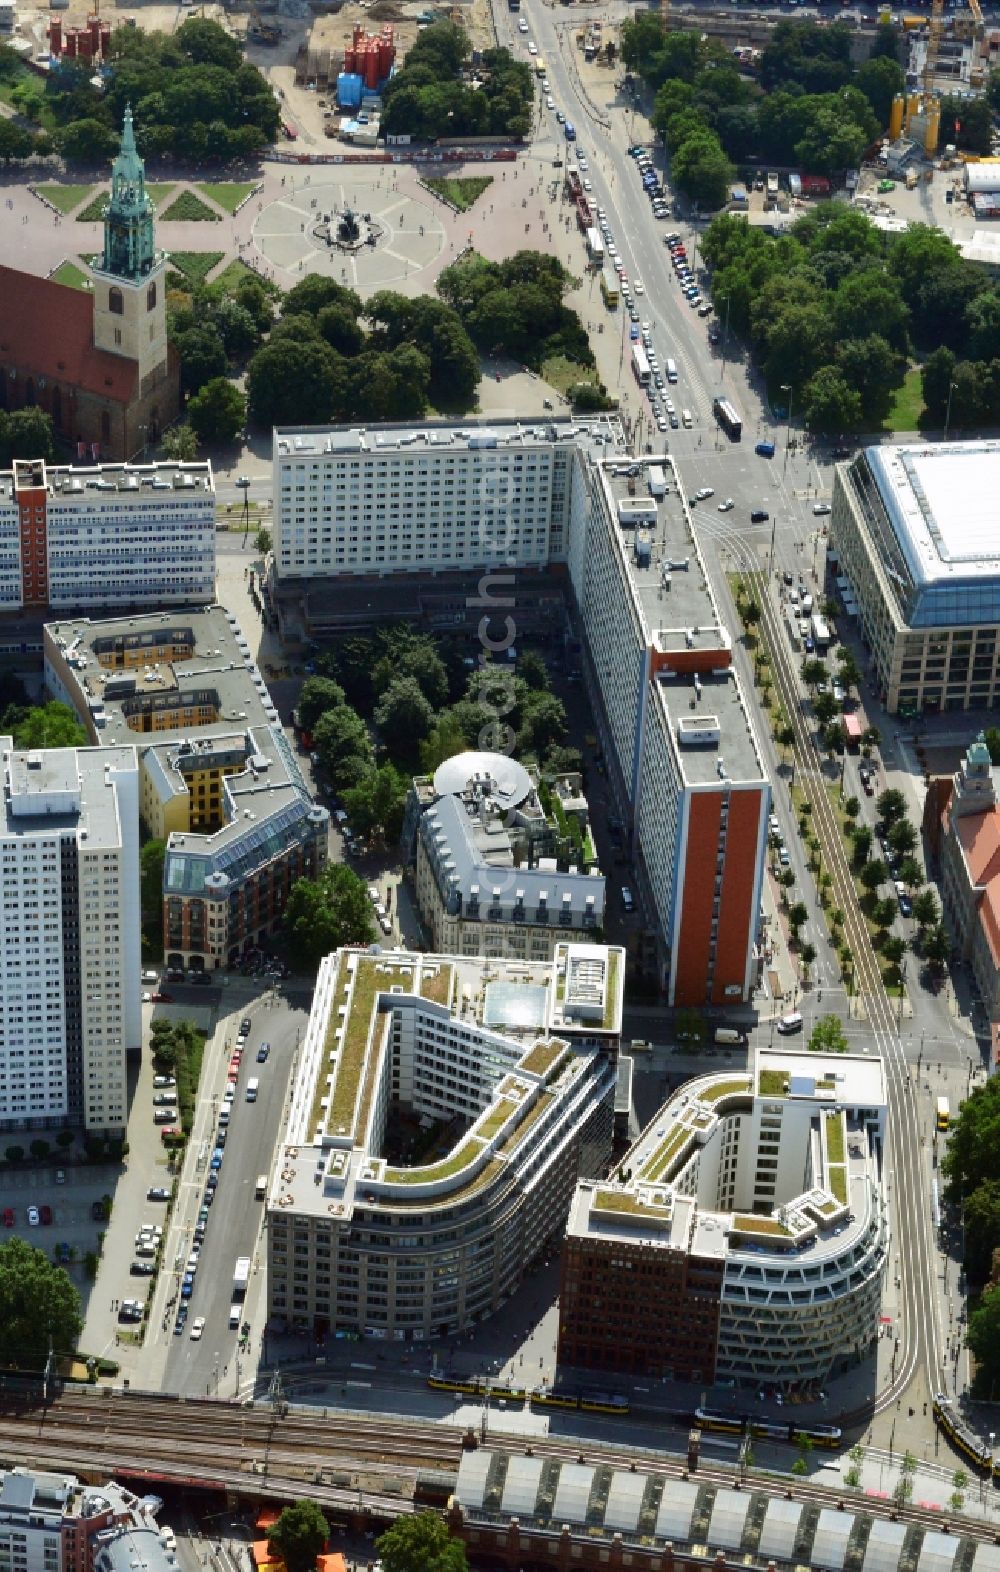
x=129 y=276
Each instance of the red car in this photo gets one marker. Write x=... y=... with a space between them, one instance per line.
x=45 y=1213
x=162 y=998
x=8 y=1217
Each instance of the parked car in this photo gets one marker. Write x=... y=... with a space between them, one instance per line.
x=8 y=1217
x=33 y=1218
x=45 y=1213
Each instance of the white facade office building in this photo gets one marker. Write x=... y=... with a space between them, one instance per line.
x=914 y=539
x=112 y=535
x=69 y=946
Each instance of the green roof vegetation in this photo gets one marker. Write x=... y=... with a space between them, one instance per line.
x=835 y=1138
x=837 y=1174
x=772 y=1083
x=611 y=995
x=353 y=1048
x=437 y=989
x=665 y=1153
x=543 y=1056
x=627 y=1201
x=712 y=1094
x=497 y=1118
x=524 y=1125
x=759 y=1225
x=459 y=1158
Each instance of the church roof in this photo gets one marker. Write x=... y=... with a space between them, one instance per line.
x=47 y=330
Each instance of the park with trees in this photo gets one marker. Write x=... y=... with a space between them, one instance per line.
x=195 y=96
x=436 y=91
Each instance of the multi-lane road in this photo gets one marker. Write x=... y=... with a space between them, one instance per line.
x=787 y=488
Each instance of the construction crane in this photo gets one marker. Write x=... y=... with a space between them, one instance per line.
x=933 y=43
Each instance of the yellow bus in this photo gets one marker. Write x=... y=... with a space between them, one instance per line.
x=539 y=67
x=943 y=1113
x=609 y=287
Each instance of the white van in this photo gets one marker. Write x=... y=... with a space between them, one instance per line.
x=728 y=1034
x=260 y=1188
x=792 y=1022
x=253 y=1087
x=627 y=899
x=687 y=419
x=670 y=367
x=234 y=1317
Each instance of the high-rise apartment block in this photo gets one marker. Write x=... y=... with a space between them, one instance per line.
x=438 y=504
x=69 y=946
x=109 y=536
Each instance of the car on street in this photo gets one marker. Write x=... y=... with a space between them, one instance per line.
x=820 y=508
x=784 y=856
x=759 y=515
x=792 y=1022
x=522 y=26
x=8 y=1217
x=130 y=1310
x=262 y=1053
x=639 y=286
x=211 y=1181
x=532 y=48
x=163 y=998
x=725 y=507
x=560 y=116
x=142 y=1268
x=703 y=492
x=98 y=1211
x=662 y=423
x=197 y=1328
x=45 y=1213
x=33 y=1218
x=633 y=332
x=905 y=906
x=229 y=1095
x=217 y=1156
x=181 y=1321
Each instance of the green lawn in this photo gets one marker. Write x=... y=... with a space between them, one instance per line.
x=195 y=266
x=94 y=210
x=228 y=193
x=905 y=412
x=561 y=373
x=65 y=198
x=189 y=209
x=160 y=191
x=461 y=191
x=233 y=275
x=68 y=273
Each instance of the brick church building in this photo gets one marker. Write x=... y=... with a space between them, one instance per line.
x=97 y=360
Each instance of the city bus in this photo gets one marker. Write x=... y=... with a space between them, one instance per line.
x=609 y=288
x=729 y=420
x=640 y=365
x=943 y=1113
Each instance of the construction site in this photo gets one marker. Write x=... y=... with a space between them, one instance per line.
x=330 y=37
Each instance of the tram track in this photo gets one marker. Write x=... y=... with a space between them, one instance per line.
x=920 y=1337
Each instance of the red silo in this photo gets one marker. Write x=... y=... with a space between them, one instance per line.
x=105 y=41
x=84 y=44
x=55 y=35
x=70 y=43
x=94 y=27
x=349 y=59
x=372 y=74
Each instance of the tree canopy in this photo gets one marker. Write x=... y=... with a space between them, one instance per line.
x=51 y=725
x=421 y=1544
x=433 y=92
x=39 y=1307
x=828 y=1036
x=195 y=98
x=300 y=1535
x=323 y=914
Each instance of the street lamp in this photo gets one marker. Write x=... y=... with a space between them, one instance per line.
x=244 y=485
x=786 y=387
x=947 y=414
